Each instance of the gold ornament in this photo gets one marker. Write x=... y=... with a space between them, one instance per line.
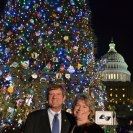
x=66 y=38
x=10 y=89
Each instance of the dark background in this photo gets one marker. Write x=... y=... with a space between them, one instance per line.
x=114 y=19
x=111 y=19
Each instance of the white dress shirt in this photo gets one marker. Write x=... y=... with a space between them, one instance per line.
x=51 y=117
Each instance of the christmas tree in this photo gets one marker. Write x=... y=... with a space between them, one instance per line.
x=42 y=42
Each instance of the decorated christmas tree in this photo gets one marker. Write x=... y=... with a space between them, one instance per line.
x=42 y=42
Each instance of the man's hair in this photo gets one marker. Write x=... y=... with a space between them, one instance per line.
x=55 y=87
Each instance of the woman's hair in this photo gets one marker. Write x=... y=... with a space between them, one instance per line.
x=89 y=101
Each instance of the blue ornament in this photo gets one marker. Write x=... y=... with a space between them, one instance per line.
x=1 y=73
x=59 y=9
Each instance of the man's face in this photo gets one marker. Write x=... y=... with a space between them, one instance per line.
x=56 y=99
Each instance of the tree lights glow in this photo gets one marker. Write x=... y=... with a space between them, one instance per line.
x=44 y=42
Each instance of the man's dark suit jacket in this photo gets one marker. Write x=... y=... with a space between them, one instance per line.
x=38 y=122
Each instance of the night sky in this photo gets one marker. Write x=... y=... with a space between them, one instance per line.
x=111 y=19
x=114 y=19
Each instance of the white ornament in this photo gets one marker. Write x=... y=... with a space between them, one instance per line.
x=8 y=77
x=71 y=69
x=40 y=40
x=10 y=109
x=86 y=90
x=58 y=75
x=75 y=48
x=34 y=55
x=69 y=110
x=32 y=21
x=34 y=76
x=67 y=76
x=43 y=79
x=20 y=121
x=14 y=64
x=84 y=69
x=68 y=57
x=55 y=59
x=28 y=100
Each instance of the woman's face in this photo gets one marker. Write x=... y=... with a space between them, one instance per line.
x=81 y=110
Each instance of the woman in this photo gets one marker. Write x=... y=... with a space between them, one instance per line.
x=83 y=110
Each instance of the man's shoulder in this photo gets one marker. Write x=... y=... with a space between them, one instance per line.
x=67 y=114
x=69 y=117
x=38 y=112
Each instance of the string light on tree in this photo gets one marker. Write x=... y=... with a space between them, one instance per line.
x=44 y=42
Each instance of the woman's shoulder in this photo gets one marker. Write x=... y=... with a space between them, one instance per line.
x=94 y=124
x=91 y=127
x=96 y=127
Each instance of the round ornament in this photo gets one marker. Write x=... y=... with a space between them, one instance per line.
x=32 y=21
x=10 y=89
x=66 y=38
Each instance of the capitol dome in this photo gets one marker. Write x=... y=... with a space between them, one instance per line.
x=114 y=67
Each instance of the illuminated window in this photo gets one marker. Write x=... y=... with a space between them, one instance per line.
x=111 y=101
x=111 y=76
x=111 y=95
x=114 y=76
x=123 y=95
x=131 y=109
x=123 y=89
x=116 y=95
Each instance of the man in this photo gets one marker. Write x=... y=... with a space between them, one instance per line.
x=41 y=121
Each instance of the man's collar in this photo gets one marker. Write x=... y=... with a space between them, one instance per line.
x=52 y=112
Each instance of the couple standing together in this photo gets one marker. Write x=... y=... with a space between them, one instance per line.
x=81 y=121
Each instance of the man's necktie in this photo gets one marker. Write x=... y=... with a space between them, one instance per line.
x=55 y=127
